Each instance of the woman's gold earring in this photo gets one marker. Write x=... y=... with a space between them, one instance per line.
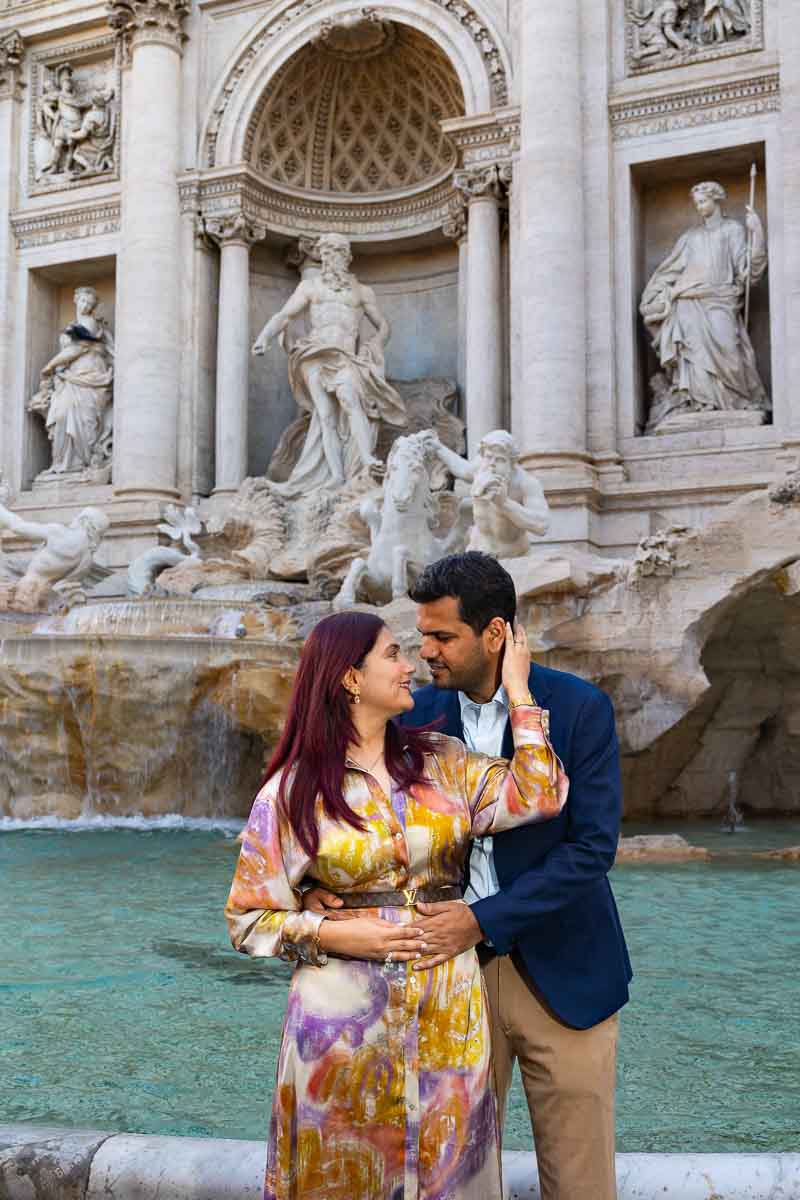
x=356 y=695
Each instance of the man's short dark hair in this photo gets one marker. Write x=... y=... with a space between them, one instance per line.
x=482 y=587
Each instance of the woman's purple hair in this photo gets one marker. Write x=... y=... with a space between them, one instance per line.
x=319 y=728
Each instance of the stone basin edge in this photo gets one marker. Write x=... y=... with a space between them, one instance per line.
x=46 y=1163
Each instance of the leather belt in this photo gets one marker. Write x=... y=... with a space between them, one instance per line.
x=404 y=899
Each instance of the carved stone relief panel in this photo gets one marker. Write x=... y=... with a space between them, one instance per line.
x=75 y=116
x=670 y=33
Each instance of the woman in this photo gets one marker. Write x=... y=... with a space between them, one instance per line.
x=384 y=1087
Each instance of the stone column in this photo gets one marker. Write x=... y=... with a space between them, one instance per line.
x=11 y=53
x=455 y=228
x=787 y=405
x=235 y=235
x=484 y=338
x=549 y=409
x=149 y=270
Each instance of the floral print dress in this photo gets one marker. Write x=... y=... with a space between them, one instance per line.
x=384 y=1086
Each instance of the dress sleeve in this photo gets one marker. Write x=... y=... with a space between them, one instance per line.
x=264 y=910
x=531 y=787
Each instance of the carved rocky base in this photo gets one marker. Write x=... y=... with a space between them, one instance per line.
x=702 y=422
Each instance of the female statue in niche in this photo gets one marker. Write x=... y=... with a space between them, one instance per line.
x=75 y=391
x=692 y=308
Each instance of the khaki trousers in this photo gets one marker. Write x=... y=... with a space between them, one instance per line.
x=569 y=1076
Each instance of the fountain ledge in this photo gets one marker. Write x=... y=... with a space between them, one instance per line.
x=59 y=1164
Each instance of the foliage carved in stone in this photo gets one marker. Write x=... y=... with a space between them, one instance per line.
x=12 y=50
x=668 y=33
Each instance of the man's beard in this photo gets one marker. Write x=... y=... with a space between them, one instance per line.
x=469 y=678
x=336 y=277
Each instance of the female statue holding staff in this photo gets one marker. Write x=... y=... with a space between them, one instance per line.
x=384 y=1085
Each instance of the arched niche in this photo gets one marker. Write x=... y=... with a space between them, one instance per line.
x=463 y=33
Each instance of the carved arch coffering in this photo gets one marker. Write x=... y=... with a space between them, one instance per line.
x=463 y=35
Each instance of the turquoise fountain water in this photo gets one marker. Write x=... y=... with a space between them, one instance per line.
x=122 y=1006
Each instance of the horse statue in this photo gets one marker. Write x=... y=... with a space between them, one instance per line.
x=402 y=533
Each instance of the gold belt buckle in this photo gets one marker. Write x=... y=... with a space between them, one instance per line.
x=411 y=896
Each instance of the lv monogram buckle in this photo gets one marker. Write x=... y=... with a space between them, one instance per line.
x=411 y=896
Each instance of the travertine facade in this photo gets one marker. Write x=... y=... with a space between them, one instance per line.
x=510 y=174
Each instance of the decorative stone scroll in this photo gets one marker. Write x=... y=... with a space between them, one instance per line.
x=235 y=227
x=669 y=33
x=75 y=116
x=455 y=224
x=12 y=50
x=478 y=181
x=149 y=20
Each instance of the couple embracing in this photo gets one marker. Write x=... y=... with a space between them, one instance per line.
x=413 y=993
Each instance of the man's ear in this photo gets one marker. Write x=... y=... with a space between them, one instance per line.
x=495 y=634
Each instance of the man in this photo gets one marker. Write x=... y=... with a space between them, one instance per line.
x=334 y=377
x=539 y=906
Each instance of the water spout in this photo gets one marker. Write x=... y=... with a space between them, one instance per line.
x=734 y=817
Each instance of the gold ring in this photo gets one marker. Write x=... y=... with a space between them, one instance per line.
x=388 y=958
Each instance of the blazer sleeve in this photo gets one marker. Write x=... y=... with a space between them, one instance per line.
x=587 y=853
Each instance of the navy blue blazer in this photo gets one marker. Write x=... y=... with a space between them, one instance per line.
x=555 y=905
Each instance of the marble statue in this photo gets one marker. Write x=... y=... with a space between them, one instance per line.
x=180 y=526
x=402 y=532
x=75 y=134
x=692 y=308
x=75 y=392
x=93 y=141
x=337 y=379
x=507 y=503
x=656 y=29
x=725 y=19
x=58 y=117
x=63 y=565
x=666 y=31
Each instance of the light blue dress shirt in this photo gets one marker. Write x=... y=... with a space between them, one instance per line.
x=484 y=729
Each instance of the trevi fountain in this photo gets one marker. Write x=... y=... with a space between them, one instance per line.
x=299 y=295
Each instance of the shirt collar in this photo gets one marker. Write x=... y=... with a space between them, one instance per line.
x=500 y=697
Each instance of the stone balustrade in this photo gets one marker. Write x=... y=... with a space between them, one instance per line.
x=59 y=1164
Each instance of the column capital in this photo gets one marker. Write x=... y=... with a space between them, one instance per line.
x=159 y=21
x=479 y=183
x=12 y=52
x=455 y=223
x=235 y=229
